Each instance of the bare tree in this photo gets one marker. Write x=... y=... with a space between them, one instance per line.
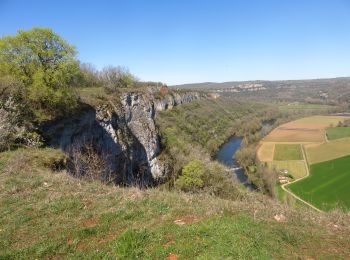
x=114 y=78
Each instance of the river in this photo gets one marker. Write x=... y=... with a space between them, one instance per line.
x=226 y=155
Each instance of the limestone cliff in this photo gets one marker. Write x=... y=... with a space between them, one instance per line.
x=170 y=101
x=123 y=133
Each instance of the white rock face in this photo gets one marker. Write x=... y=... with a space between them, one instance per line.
x=175 y=99
x=124 y=133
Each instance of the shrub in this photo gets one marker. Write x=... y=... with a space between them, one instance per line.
x=192 y=176
x=86 y=162
x=14 y=129
x=220 y=182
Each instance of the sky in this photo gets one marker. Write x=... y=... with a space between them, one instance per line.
x=186 y=41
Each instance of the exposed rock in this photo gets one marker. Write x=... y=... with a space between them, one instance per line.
x=124 y=133
x=280 y=218
x=172 y=100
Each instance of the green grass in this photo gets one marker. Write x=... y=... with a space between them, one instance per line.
x=46 y=214
x=338 y=132
x=287 y=152
x=328 y=185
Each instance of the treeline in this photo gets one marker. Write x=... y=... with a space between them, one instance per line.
x=112 y=78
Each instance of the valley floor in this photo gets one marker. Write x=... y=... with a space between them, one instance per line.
x=311 y=144
x=48 y=214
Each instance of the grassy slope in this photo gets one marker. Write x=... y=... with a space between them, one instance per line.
x=338 y=132
x=286 y=152
x=46 y=214
x=328 y=184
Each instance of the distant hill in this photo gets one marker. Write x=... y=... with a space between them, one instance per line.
x=310 y=90
x=265 y=83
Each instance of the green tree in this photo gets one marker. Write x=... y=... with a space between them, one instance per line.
x=192 y=176
x=47 y=66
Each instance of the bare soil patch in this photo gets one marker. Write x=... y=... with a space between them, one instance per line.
x=188 y=219
x=89 y=222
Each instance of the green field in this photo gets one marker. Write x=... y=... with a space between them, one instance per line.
x=287 y=152
x=328 y=185
x=338 y=132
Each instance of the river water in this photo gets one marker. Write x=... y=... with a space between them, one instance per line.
x=226 y=155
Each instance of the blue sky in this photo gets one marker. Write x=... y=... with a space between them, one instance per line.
x=197 y=40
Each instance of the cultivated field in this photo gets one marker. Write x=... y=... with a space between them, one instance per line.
x=328 y=151
x=295 y=168
x=316 y=122
x=294 y=135
x=266 y=151
x=338 y=132
x=330 y=174
x=287 y=152
x=304 y=130
x=327 y=187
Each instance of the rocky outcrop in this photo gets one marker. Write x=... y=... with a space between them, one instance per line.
x=174 y=99
x=123 y=133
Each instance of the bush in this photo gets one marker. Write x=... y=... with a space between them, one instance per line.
x=192 y=176
x=86 y=162
x=220 y=182
x=47 y=67
x=13 y=129
x=265 y=179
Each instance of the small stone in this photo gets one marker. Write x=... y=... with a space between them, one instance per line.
x=280 y=218
x=179 y=222
x=172 y=256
